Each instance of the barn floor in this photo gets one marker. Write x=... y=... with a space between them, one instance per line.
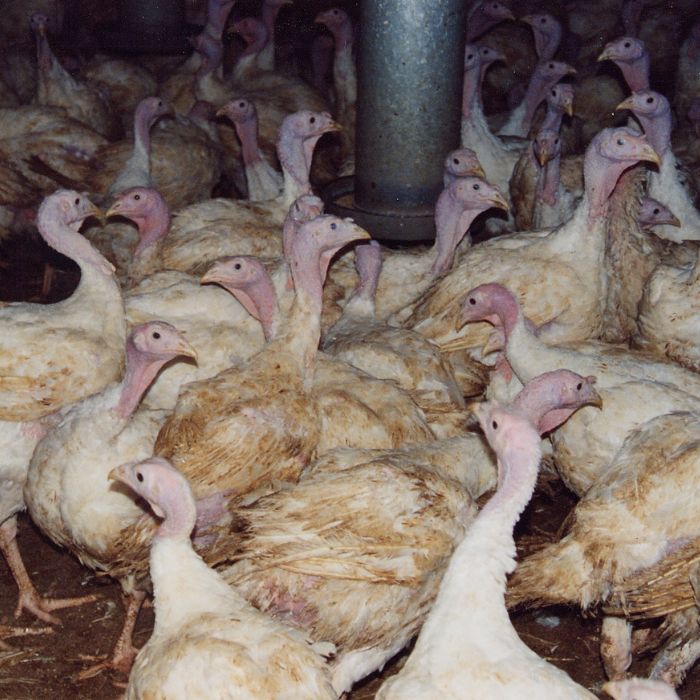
x=44 y=666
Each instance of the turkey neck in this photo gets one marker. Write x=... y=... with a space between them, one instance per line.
x=636 y=73
x=184 y=587
x=295 y=155
x=217 y=13
x=260 y=300
x=452 y=221
x=553 y=118
x=137 y=170
x=548 y=181
x=657 y=129
x=344 y=76
x=247 y=130
x=480 y=563
x=140 y=372
x=546 y=44
x=535 y=94
x=153 y=226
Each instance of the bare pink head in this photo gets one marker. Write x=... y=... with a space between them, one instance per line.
x=463 y=162
x=167 y=492
x=546 y=146
x=489 y=55
x=147 y=209
x=246 y=278
x=549 y=399
x=338 y=22
x=492 y=303
x=457 y=207
x=654 y=113
x=148 y=347
x=150 y=109
x=254 y=32
x=484 y=15
x=547 y=32
x=653 y=213
x=632 y=58
x=303 y=209
x=610 y=153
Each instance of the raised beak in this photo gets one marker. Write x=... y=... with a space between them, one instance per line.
x=499 y=201
x=627 y=103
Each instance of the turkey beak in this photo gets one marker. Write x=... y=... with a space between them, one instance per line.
x=569 y=108
x=211 y=276
x=221 y=112
x=527 y=19
x=607 y=55
x=114 y=210
x=595 y=400
x=184 y=349
x=333 y=126
x=647 y=153
x=570 y=70
x=478 y=171
x=673 y=221
x=627 y=103
x=543 y=154
x=498 y=200
x=493 y=344
x=121 y=473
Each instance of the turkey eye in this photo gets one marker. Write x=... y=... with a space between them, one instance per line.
x=579 y=386
x=554 y=93
x=656 y=211
x=156 y=335
x=470 y=56
x=237 y=266
x=77 y=200
x=650 y=100
x=139 y=476
x=472 y=301
x=494 y=425
x=455 y=161
x=160 y=103
x=312 y=120
x=476 y=187
x=543 y=21
x=620 y=142
x=334 y=227
x=551 y=66
x=627 y=44
x=241 y=105
x=556 y=141
x=137 y=197
x=335 y=12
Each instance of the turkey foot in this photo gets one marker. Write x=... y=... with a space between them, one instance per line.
x=124 y=651
x=29 y=599
x=616 y=647
x=6 y=631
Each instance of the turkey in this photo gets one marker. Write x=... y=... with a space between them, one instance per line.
x=207 y=640
x=407 y=273
x=67 y=489
x=561 y=275
x=49 y=358
x=203 y=232
x=382 y=588
x=254 y=424
x=635 y=388
x=263 y=181
x=57 y=88
x=631 y=543
x=467 y=647
x=654 y=113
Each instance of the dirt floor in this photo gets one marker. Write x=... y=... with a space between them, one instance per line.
x=44 y=666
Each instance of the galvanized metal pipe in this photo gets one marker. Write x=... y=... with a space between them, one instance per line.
x=410 y=67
